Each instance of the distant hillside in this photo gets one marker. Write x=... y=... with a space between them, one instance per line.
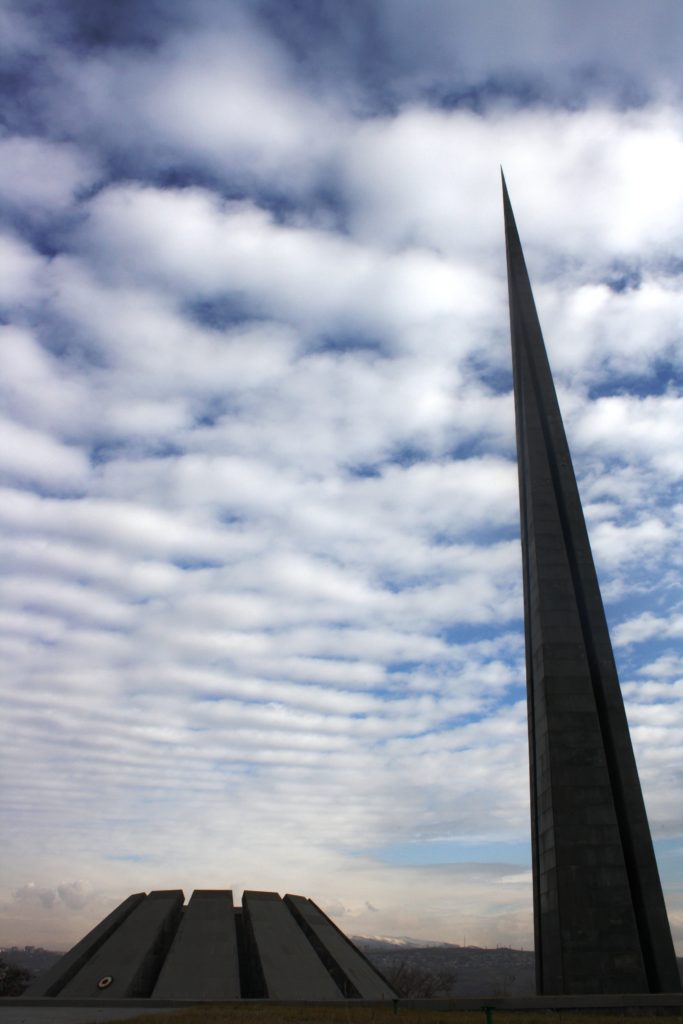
x=35 y=958
x=388 y=942
x=461 y=970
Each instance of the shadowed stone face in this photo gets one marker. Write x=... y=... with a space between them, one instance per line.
x=599 y=915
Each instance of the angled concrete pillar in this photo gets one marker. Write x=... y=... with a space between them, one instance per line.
x=52 y=981
x=289 y=966
x=202 y=961
x=127 y=964
x=352 y=972
x=599 y=915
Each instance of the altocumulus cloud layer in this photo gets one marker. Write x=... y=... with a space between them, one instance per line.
x=261 y=609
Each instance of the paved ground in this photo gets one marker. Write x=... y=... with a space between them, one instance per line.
x=67 y=1015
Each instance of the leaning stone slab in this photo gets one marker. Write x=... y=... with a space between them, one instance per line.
x=202 y=962
x=52 y=981
x=356 y=977
x=289 y=966
x=127 y=964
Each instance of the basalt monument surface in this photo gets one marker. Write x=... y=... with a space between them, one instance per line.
x=600 y=921
x=153 y=947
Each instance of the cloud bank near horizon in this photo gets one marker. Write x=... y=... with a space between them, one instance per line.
x=261 y=610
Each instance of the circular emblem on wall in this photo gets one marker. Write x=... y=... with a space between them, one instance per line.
x=105 y=982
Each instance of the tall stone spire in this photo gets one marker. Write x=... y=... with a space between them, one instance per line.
x=599 y=916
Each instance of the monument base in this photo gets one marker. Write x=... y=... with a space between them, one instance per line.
x=153 y=947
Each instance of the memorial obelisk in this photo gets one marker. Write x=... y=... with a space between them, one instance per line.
x=599 y=916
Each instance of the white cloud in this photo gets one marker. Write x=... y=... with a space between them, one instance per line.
x=41 y=392
x=46 y=897
x=39 y=175
x=617 y=199
x=646 y=626
x=20 y=267
x=647 y=540
x=262 y=566
x=30 y=455
x=310 y=276
x=572 y=50
x=263 y=121
x=642 y=428
x=665 y=666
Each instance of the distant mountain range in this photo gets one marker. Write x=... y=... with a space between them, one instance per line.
x=378 y=942
x=35 y=958
x=409 y=964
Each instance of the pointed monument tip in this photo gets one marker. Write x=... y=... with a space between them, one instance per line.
x=512 y=242
x=507 y=205
x=504 y=184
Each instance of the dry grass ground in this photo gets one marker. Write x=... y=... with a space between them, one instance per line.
x=382 y=1015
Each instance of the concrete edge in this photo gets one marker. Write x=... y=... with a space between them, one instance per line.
x=588 y=1002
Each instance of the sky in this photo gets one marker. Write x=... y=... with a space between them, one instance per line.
x=261 y=611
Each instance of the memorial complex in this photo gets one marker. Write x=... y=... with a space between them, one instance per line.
x=600 y=921
x=211 y=951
